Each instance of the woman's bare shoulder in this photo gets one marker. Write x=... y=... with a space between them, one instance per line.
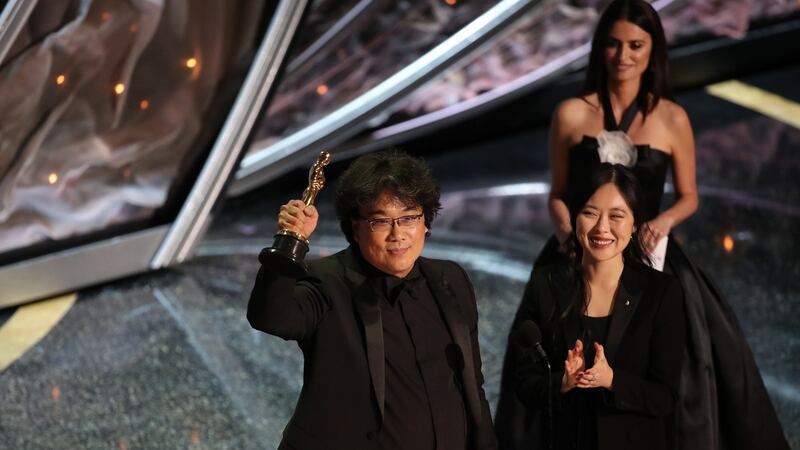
x=672 y=115
x=674 y=128
x=574 y=111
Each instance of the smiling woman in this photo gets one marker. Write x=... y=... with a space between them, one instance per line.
x=605 y=214
x=625 y=113
x=617 y=325
x=604 y=226
x=627 y=51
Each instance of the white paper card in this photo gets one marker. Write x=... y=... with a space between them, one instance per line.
x=659 y=254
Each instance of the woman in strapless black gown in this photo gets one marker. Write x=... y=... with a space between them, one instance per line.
x=723 y=403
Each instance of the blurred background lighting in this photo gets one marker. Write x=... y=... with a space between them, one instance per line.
x=727 y=243
x=55 y=393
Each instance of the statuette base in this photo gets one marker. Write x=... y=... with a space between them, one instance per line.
x=287 y=254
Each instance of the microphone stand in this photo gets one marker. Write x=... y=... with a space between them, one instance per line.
x=549 y=405
x=542 y=356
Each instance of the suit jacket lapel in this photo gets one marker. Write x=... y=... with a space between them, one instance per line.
x=459 y=331
x=365 y=299
x=626 y=300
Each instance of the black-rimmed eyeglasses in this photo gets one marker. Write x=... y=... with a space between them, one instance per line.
x=385 y=223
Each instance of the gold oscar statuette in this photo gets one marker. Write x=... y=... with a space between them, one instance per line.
x=289 y=248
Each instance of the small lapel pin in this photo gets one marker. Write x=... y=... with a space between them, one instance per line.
x=627 y=303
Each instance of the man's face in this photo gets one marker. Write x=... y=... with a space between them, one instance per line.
x=391 y=246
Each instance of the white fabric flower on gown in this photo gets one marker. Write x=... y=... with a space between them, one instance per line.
x=616 y=147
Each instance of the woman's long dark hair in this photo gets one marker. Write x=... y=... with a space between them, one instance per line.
x=655 y=80
x=573 y=280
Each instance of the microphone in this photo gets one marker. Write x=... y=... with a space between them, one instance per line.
x=528 y=336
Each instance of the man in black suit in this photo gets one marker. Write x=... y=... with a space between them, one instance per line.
x=390 y=338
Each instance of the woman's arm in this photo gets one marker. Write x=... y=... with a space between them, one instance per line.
x=684 y=178
x=560 y=141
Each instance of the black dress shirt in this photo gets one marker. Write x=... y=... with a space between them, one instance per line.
x=424 y=405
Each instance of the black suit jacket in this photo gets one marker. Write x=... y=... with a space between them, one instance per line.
x=334 y=315
x=644 y=347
